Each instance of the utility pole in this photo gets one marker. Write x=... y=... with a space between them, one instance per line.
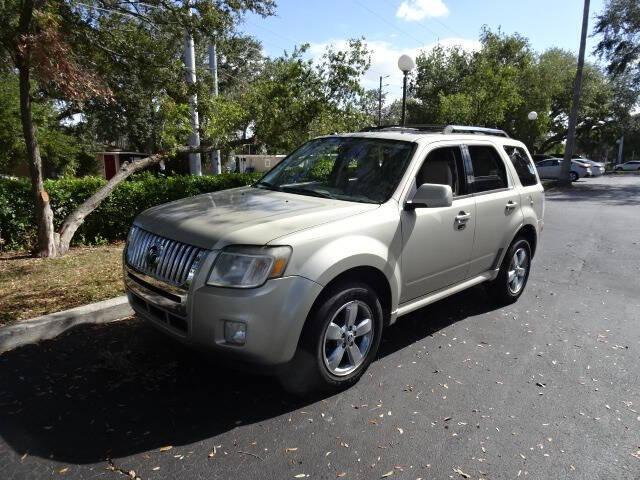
x=195 y=165
x=380 y=103
x=213 y=67
x=573 y=116
x=620 y=149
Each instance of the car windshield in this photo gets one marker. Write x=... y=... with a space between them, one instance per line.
x=356 y=169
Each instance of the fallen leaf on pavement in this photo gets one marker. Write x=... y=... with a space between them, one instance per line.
x=461 y=473
x=290 y=449
x=400 y=430
x=63 y=470
x=388 y=474
x=166 y=449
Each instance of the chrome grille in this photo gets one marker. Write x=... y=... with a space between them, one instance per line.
x=164 y=259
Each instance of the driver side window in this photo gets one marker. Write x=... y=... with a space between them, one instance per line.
x=444 y=166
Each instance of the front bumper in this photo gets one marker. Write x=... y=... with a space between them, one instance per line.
x=274 y=314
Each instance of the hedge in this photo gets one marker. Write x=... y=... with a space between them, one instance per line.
x=112 y=219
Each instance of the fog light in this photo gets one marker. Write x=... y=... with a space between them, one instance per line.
x=235 y=332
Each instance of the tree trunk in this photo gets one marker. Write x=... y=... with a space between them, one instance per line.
x=75 y=218
x=573 y=116
x=46 y=246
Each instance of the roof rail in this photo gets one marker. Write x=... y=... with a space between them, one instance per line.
x=474 y=130
x=440 y=129
x=418 y=127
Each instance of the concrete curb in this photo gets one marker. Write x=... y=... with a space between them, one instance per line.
x=50 y=326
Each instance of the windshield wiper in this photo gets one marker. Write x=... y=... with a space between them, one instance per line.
x=306 y=191
x=265 y=184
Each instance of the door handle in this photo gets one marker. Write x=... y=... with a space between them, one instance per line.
x=511 y=205
x=463 y=217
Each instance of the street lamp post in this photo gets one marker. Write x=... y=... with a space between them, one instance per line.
x=406 y=64
x=532 y=117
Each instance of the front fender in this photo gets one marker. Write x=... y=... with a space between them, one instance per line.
x=372 y=240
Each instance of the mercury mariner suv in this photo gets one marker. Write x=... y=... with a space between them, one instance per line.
x=302 y=271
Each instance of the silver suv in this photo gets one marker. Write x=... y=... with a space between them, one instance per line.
x=303 y=270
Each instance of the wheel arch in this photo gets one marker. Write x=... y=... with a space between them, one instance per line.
x=529 y=233
x=367 y=274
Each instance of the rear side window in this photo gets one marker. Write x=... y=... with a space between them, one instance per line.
x=489 y=172
x=525 y=169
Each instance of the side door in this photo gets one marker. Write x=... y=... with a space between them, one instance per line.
x=548 y=168
x=532 y=192
x=541 y=167
x=437 y=242
x=498 y=214
x=553 y=171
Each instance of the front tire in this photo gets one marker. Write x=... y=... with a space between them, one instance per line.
x=513 y=275
x=339 y=341
x=573 y=176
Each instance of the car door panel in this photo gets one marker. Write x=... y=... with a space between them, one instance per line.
x=497 y=206
x=499 y=218
x=437 y=249
x=437 y=242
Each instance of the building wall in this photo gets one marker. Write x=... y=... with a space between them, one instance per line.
x=253 y=163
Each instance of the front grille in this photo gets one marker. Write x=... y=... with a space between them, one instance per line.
x=161 y=258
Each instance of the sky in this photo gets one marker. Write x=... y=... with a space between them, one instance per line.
x=394 y=27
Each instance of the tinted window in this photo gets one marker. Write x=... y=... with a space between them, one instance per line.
x=524 y=167
x=346 y=168
x=489 y=172
x=444 y=167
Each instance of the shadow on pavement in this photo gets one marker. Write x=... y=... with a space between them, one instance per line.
x=606 y=193
x=114 y=390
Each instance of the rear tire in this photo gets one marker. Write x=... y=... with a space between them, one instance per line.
x=339 y=341
x=514 y=273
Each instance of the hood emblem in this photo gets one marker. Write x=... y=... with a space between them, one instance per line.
x=152 y=257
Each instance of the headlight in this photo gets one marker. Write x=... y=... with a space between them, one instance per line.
x=248 y=267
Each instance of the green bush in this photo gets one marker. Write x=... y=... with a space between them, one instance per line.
x=112 y=219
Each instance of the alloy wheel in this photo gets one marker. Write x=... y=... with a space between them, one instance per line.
x=348 y=338
x=517 y=272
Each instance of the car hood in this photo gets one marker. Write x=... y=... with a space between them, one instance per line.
x=245 y=215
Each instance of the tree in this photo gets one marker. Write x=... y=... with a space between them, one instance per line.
x=596 y=110
x=575 y=101
x=479 y=88
x=618 y=25
x=74 y=55
x=293 y=99
x=62 y=147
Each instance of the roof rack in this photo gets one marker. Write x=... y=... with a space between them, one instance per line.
x=474 y=130
x=448 y=129
x=419 y=127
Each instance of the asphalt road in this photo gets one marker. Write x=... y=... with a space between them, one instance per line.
x=548 y=388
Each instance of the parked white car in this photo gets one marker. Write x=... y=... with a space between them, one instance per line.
x=551 y=167
x=597 y=168
x=628 y=166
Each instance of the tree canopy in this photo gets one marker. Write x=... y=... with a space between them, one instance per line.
x=618 y=27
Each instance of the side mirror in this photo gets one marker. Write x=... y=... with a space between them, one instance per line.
x=431 y=195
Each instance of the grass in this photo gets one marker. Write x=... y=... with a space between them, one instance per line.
x=30 y=287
